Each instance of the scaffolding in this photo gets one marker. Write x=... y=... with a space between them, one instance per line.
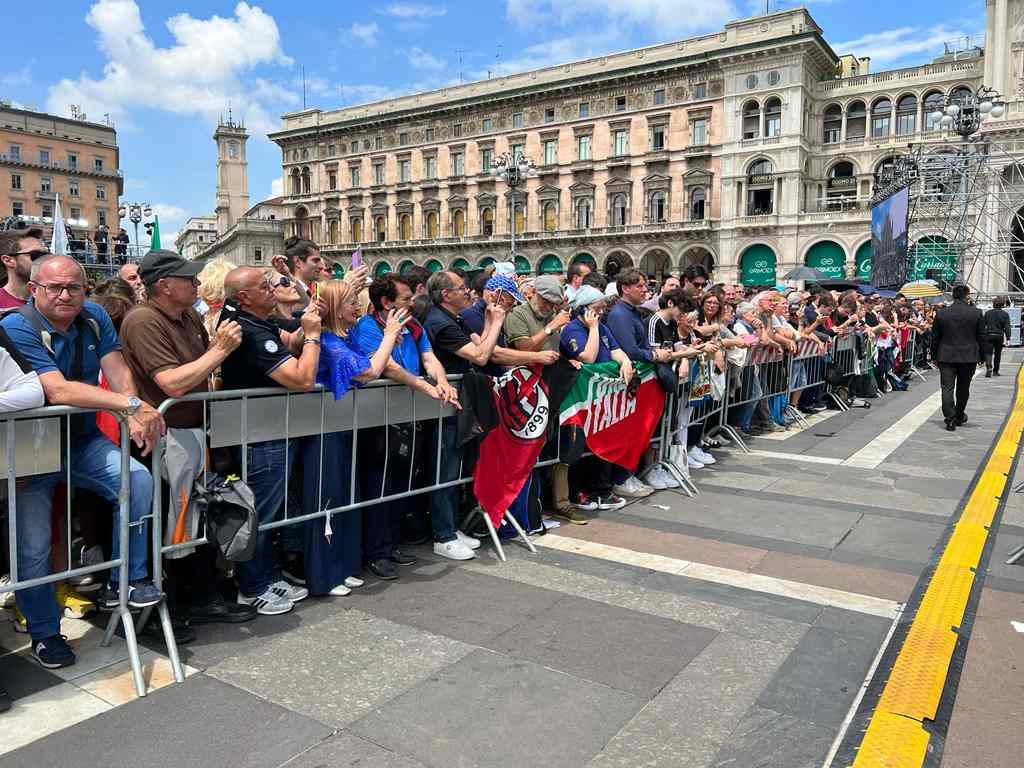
x=966 y=214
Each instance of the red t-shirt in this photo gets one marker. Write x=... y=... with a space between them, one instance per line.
x=10 y=301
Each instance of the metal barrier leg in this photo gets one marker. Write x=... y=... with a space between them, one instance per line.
x=1016 y=555
x=519 y=529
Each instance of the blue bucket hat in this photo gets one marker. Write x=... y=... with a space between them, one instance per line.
x=506 y=284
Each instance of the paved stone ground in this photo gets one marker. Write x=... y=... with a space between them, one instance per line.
x=592 y=658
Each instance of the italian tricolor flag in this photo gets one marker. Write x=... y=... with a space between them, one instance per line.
x=618 y=427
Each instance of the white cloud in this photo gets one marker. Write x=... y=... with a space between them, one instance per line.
x=197 y=75
x=551 y=52
x=893 y=45
x=414 y=11
x=420 y=59
x=18 y=78
x=277 y=187
x=367 y=33
x=667 y=16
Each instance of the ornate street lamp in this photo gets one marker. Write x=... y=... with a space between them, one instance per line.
x=135 y=212
x=963 y=111
x=514 y=170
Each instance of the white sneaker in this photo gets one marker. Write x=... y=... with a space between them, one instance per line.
x=289 y=591
x=703 y=456
x=453 y=550
x=668 y=478
x=693 y=462
x=643 y=487
x=340 y=591
x=353 y=583
x=469 y=541
x=6 y=598
x=633 y=488
x=270 y=603
x=655 y=479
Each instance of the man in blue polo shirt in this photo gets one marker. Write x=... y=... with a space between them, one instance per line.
x=68 y=341
x=395 y=446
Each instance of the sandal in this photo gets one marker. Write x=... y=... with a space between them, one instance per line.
x=712 y=444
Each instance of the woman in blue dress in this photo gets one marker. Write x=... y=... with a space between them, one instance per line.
x=333 y=546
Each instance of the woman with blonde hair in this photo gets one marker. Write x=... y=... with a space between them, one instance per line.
x=211 y=291
x=333 y=545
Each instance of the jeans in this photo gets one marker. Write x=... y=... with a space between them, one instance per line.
x=750 y=393
x=95 y=465
x=955 y=379
x=993 y=353
x=268 y=469
x=444 y=504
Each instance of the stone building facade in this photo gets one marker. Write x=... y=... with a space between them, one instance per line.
x=752 y=149
x=44 y=155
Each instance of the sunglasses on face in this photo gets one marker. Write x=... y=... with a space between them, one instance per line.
x=33 y=255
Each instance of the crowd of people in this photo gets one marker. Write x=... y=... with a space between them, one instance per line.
x=168 y=327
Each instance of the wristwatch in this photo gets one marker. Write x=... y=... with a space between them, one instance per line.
x=133 y=405
x=547 y=330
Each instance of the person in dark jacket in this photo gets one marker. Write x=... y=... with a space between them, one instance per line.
x=957 y=337
x=997 y=331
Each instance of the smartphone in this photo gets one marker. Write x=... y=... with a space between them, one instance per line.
x=357 y=259
x=316 y=292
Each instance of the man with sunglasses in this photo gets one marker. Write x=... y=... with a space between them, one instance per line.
x=18 y=249
x=68 y=341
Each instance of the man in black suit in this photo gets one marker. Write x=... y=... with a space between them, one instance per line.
x=957 y=337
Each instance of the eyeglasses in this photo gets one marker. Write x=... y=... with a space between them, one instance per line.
x=33 y=255
x=54 y=290
x=283 y=282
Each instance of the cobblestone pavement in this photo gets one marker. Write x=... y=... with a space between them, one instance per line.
x=734 y=629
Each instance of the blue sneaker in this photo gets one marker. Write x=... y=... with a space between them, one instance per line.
x=141 y=594
x=53 y=652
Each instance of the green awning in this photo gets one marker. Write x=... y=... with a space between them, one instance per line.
x=757 y=266
x=827 y=257
x=486 y=261
x=381 y=268
x=864 y=261
x=550 y=264
x=523 y=266
x=932 y=255
x=337 y=271
x=405 y=266
x=434 y=265
x=460 y=264
x=586 y=258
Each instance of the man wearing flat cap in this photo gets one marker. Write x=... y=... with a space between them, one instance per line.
x=170 y=354
x=536 y=323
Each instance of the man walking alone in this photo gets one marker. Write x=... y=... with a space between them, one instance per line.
x=957 y=338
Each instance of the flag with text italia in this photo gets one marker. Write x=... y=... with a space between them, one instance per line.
x=618 y=427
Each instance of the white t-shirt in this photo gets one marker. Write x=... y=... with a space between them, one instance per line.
x=19 y=384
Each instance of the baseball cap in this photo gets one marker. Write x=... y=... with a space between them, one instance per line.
x=586 y=296
x=159 y=264
x=506 y=284
x=549 y=287
x=505 y=268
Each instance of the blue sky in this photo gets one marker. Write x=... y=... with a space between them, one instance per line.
x=163 y=71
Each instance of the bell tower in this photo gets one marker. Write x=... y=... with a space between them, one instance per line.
x=232 y=173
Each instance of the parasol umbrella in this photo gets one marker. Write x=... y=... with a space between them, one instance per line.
x=804 y=272
x=919 y=289
x=942 y=298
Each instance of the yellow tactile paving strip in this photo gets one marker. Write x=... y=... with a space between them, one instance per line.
x=895 y=737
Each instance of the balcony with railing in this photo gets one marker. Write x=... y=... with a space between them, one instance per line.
x=964 y=69
x=77 y=169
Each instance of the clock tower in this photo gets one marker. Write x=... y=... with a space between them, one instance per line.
x=232 y=173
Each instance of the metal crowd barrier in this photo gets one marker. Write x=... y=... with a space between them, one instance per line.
x=38 y=444
x=910 y=354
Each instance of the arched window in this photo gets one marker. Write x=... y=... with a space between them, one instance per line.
x=856 y=120
x=296 y=182
x=458 y=223
x=760 y=188
x=301 y=219
x=550 y=217
x=906 y=115
x=432 y=224
x=772 y=117
x=333 y=230
x=295 y=155
x=960 y=95
x=697 y=200
x=380 y=228
x=842 y=185
x=619 y=210
x=405 y=226
x=305 y=181
x=583 y=214
x=357 y=230
x=520 y=220
x=933 y=102
x=487 y=222
x=658 y=207
x=758 y=168
x=832 y=125
x=751 y=120
x=305 y=154
x=881 y=116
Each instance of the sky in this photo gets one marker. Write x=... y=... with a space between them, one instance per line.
x=163 y=72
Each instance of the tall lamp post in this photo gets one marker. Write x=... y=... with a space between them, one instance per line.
x=964 y=111
x=514 y=170
x=135 y=212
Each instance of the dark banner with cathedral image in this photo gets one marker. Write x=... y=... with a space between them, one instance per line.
x=889 y=240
